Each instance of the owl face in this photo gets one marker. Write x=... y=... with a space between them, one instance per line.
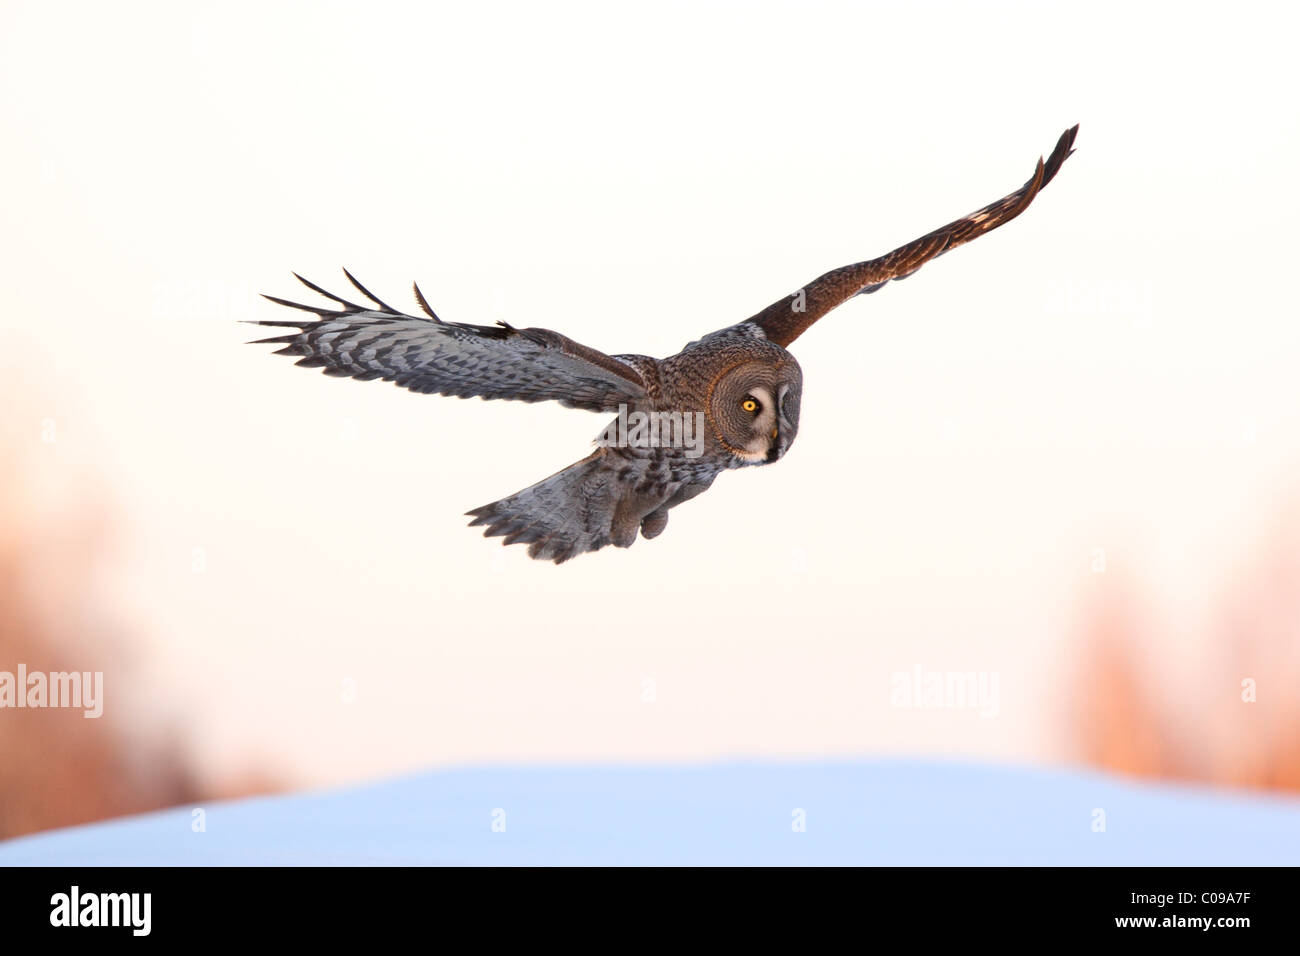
x=754 y=409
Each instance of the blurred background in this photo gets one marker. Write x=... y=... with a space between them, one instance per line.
x=1064 y=461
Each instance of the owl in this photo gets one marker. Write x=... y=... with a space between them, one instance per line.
x=727 y=400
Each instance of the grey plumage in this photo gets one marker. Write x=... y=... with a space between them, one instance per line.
x=727 y=400
x=448 y=358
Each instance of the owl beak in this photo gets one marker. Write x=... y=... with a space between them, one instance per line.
x=777 y=448
x=783 y=431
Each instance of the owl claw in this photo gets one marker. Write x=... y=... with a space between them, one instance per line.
x=653 y=524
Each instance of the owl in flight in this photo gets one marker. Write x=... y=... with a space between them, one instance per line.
x=727 y=400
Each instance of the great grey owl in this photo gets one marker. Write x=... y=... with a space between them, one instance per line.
x=727 y=400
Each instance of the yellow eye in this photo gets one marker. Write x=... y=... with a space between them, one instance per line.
x=749 y=405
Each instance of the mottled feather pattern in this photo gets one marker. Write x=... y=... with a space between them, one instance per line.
x=786 y=319
x=428 y=355
x=604 y=499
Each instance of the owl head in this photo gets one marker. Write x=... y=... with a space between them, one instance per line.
x=754 y=408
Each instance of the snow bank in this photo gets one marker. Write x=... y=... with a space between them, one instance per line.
x=878 y=812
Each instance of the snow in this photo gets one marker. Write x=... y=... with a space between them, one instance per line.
x=867 y=812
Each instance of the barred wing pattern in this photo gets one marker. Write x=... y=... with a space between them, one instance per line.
x=783 y=321
x=428 y=355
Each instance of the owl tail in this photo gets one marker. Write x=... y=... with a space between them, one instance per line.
x=582 y=508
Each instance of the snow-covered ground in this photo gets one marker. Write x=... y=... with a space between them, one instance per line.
x=877 y=812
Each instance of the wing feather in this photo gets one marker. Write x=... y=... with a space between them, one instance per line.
x=431 y=356
x=785 y=320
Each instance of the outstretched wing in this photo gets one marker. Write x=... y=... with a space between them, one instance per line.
x=783 y=322
x=426 y=354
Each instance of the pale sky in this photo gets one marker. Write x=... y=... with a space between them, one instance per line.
x=1114 y=370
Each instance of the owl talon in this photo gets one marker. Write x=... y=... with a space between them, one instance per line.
x=654 y=523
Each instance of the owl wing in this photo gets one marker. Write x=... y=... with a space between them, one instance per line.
x=426 y=354
x=783 y=321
